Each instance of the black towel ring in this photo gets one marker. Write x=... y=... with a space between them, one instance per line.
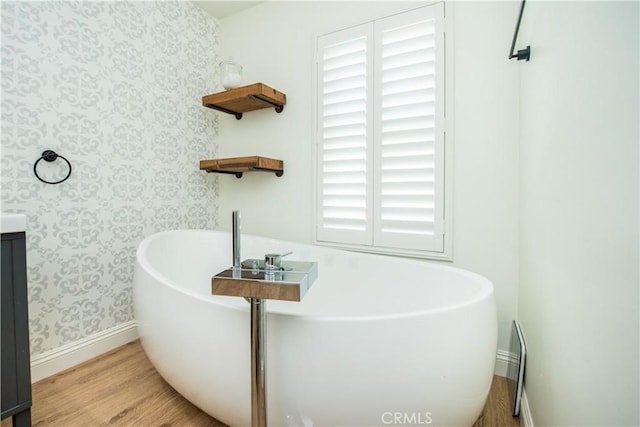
x=50 y=156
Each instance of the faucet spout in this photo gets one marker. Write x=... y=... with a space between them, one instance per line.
x=236 y=238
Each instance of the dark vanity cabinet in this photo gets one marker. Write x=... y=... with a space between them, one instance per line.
x=15 y=373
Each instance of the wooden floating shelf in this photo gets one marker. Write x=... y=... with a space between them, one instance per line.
x=246 y=98
x=238 y=165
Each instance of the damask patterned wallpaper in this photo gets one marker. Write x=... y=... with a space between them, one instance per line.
x=115 y=87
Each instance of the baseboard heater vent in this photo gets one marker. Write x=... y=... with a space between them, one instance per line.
x=515 y=371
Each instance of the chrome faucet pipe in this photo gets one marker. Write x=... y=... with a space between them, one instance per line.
x=235 y=220
x=258 y=332
x=258 y=363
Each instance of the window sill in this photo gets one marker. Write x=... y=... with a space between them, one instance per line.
x=405 y=253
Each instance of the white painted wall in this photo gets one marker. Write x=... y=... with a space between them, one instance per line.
x=578 y=294
x=275 y=44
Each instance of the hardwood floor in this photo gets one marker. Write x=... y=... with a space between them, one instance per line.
x=122 y=388
x=497 y=410
x=119 y=388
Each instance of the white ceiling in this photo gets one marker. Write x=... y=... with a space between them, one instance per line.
x=222 y=9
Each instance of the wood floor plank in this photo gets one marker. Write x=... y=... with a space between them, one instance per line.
x=122 y=388
x=497 y=410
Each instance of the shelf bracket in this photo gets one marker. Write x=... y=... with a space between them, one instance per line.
x=224 y=110
x=279 y=107
x=237 y=174
x=278 y=173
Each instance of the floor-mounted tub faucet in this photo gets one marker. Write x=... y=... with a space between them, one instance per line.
x=287 y=281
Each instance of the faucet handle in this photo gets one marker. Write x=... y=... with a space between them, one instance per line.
x=274 y=261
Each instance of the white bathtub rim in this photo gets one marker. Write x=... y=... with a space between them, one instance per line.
x=486 y=292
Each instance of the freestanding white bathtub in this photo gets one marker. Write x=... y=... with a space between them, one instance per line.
x=376 y=341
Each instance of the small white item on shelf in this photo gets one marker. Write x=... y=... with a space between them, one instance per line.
x=231 y=74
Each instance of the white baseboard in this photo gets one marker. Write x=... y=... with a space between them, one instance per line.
x=503 y=359
x=525 y=411
x=69 y=355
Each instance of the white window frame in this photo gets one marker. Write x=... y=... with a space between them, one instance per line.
x=441 y=246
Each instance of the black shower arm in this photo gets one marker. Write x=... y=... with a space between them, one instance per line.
x=526 y=52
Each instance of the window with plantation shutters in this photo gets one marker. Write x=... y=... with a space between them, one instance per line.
x=380 y=135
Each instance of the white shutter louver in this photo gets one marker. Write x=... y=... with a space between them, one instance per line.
x=343 y=151
x=380 y=149
x=407 y=207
